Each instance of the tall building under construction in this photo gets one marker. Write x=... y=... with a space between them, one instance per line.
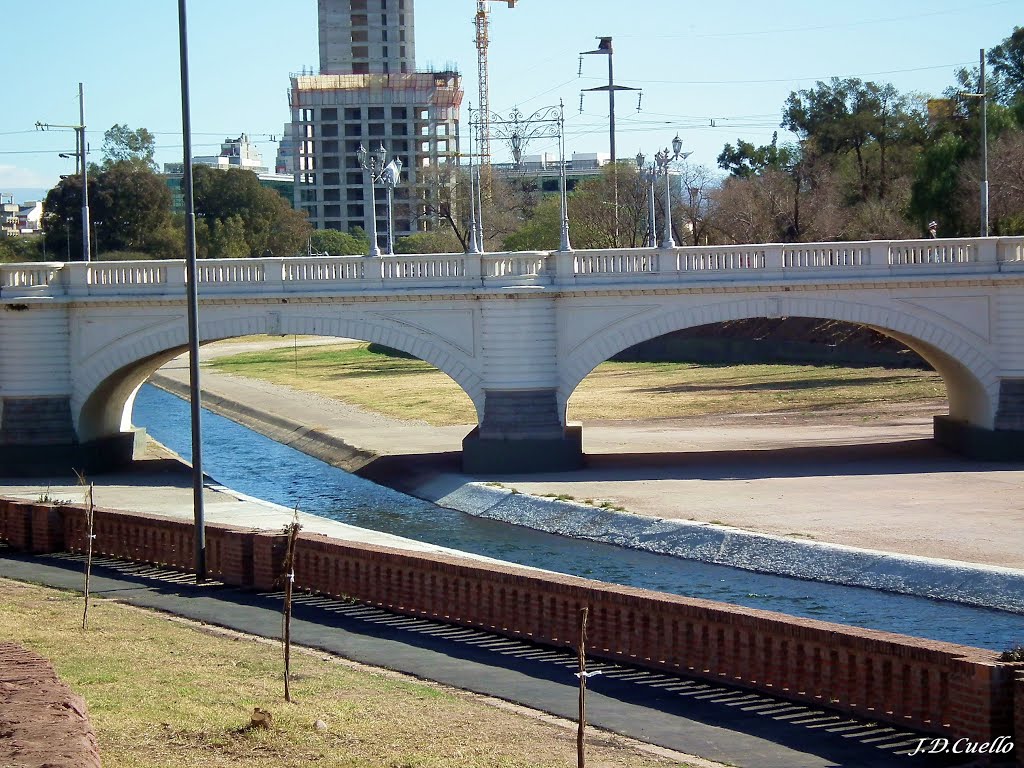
x=369 y=93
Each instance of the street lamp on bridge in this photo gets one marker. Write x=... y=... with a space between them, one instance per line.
x=664 y=161
x=386 y=174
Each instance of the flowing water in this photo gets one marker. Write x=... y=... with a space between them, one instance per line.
x=255 y=465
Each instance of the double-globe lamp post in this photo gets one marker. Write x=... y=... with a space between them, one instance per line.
x=664 y=160
x=386 y=174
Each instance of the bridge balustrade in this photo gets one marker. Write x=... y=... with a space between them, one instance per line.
x=769 y=262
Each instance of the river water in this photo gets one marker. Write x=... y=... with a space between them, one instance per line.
x=239 y=458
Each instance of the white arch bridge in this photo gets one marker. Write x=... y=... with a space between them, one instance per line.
x=517 y=331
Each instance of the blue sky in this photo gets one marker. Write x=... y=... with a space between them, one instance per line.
x=712 y=72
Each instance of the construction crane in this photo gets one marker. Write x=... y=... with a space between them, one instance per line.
x=482 y=40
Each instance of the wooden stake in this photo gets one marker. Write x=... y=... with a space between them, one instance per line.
x=581 y=758
x=292 y=530
x=89 y=510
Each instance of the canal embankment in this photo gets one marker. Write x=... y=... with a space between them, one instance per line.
x=402 y=458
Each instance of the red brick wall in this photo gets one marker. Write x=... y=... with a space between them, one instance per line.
x=934 y=686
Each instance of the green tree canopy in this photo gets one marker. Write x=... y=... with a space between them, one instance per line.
x=123 y=145
x=271 y=227
x=331 y=242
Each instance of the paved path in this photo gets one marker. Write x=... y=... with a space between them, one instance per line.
x=875 y=484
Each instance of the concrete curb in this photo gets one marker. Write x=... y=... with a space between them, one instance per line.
x=979 y=585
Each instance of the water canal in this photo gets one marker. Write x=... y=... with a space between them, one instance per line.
x=255 y=465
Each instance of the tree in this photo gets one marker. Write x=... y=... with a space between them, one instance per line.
x=123 y=145
x=746 y=160
x=851 y=118
x=129 y=207
x=1007 y=61
x=331 y=242
x=270 y=226
x=441 y=240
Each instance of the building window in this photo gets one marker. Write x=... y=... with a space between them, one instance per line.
x=353 y=129
x=376 y=130
x=398 y=113
x=360 y=52
x=330 y=147
x=359 y=20
x=353 y=179
x=358 y=5
x=375 y=113
x=332 y=211
x=332 y=179
x=383 y=35
x=329 y=130
x=329 y=113
x=332 y=195
x=360 y=68
x=384 y=52
x=401 y=51
x=360 y=36
x=353 y=113
x=400 y=145
x=399 y=129
x=308 y=196
x=355 y=210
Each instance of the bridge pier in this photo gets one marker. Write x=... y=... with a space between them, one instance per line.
x=1005 y=442
x=521 y=432
x=522 y=429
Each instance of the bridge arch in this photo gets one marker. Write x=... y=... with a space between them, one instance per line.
x=970 y=375
x=106 y=382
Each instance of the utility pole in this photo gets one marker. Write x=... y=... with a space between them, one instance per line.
x=604 y=47
x=81 y=149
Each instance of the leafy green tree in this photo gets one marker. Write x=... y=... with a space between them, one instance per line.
x=441 y=240
x=331 y=242
x=129 y=209
x=123 y=145
x=542 y=231
x=270 y=225
x=1007 y=61
x=745 y=160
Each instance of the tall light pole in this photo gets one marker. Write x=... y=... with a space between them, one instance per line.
x=191 y=278
x=648 y=175
x=391 y=175
x=664 y=161
x=373 y=163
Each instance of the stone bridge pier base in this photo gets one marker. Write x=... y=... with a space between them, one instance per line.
x=1005 y=442
x=522 y=428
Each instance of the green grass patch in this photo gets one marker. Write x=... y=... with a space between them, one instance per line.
x=168 y=694
x=407 y=388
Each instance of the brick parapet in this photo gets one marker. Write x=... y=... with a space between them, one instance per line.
x=930 y=685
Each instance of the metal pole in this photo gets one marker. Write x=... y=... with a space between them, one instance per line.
x=984 y=150
x=474 y=247
x=86 y=245
x=391 y=227
x=480 y=211
x=565 y=244
x=374 y=247
x=652 y=237
x=193 y=306
x=668 y=242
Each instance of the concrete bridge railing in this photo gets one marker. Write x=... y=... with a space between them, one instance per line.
x=636 y=265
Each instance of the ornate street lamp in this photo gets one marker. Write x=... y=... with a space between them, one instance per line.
x=664 y=161
x=390 y=176
x=375 y=164
x=648 y=174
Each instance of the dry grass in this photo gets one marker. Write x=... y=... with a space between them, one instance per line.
x=163 y=694
x=406 y=388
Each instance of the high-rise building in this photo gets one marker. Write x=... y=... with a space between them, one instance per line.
x=368 y=94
